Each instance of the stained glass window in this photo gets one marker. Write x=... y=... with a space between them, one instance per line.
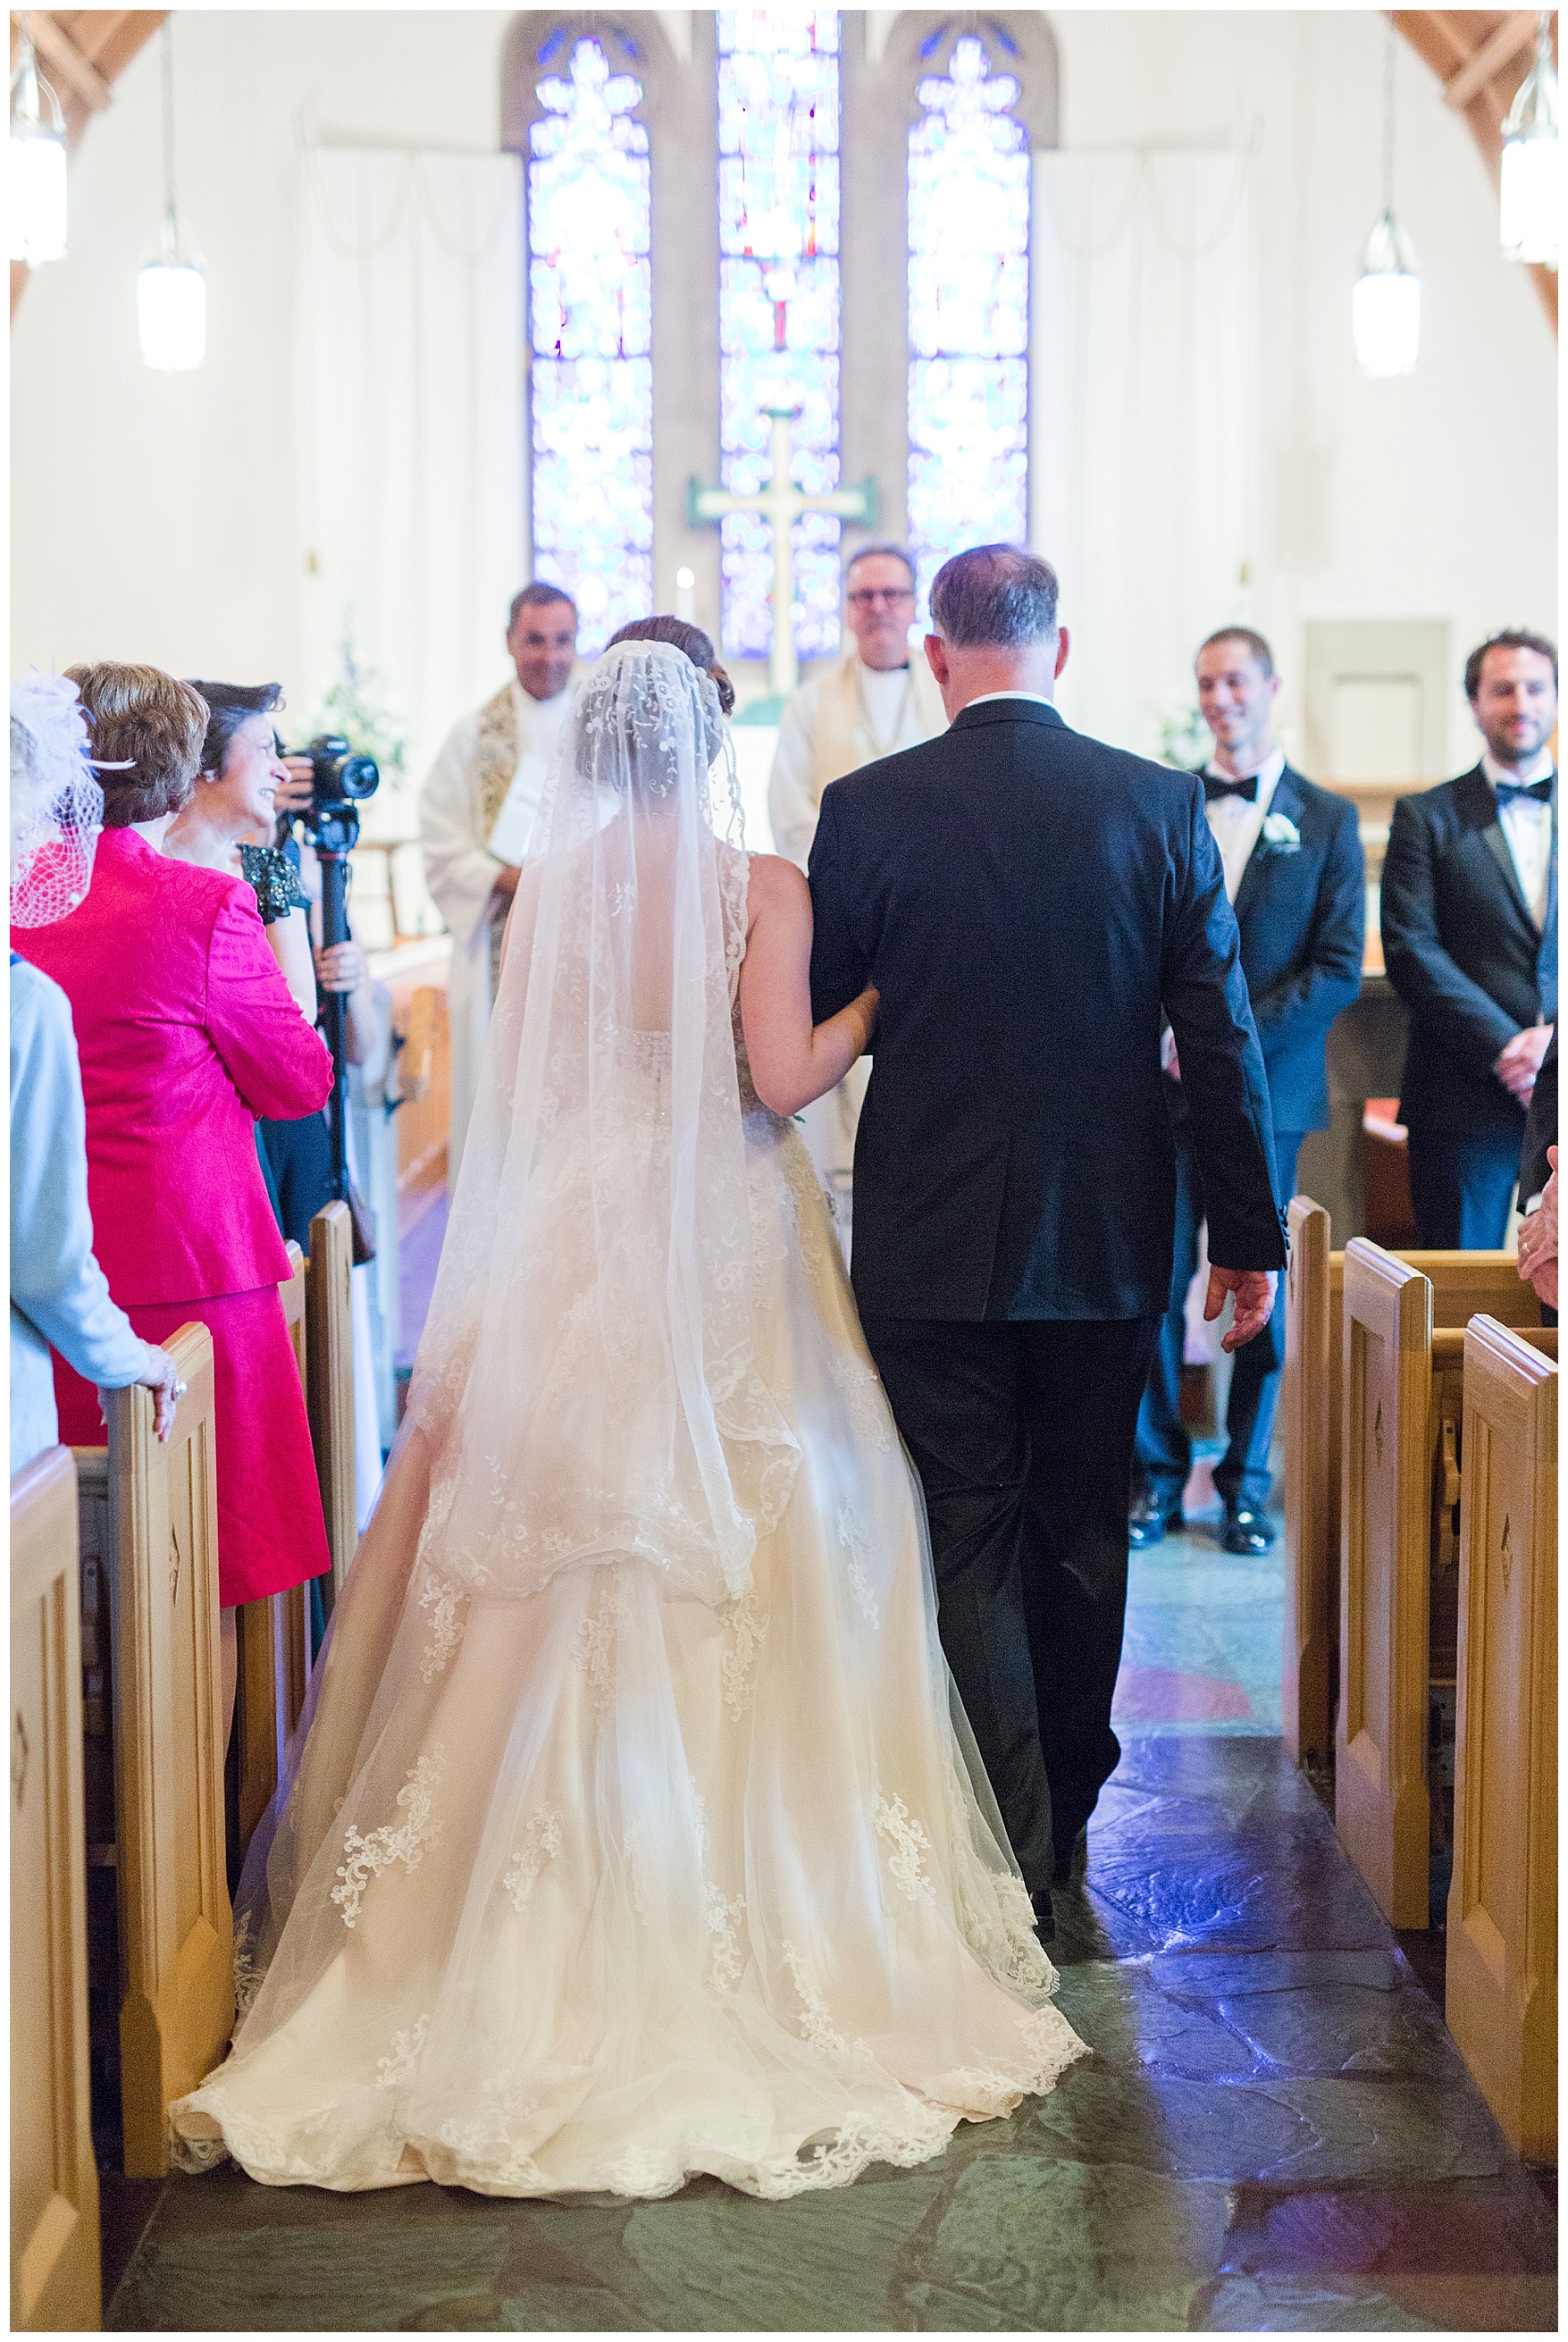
x=968 y=313
x=590 y=311
x=778 y=306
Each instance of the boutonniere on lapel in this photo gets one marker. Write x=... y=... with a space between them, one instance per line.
x=1279 y=834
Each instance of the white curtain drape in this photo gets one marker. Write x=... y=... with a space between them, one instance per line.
x=413 y=430
x=1144 y=421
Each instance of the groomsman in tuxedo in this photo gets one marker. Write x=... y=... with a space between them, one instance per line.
x=1470 y=943
x=1027 y=901
x=1295 y=873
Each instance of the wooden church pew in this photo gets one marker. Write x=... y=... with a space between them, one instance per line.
x=1401 y=1450
x=1309 y=1425
x=54 y=2181
x=1502 y=1979
x=329 y=1382
x=1463 y=1283
x=274 y=1640
x=149 y=1527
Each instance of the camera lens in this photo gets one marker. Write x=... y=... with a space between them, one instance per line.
x=359 y=777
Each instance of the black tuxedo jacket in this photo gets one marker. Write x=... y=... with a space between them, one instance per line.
x=1026 y=900
x=1463 y=951
x=1540 y=1126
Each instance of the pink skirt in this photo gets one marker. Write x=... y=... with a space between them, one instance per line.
x=271 y=1534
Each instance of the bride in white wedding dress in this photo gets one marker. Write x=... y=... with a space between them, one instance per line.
x=636 y=1829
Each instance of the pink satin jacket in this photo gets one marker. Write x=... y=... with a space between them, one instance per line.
x=187 y=1032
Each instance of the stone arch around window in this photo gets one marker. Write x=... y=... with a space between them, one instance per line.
x=881 y=76
x=677 y=109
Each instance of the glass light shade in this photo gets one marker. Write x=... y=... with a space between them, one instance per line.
x=172 y=314
x=1386 y=307
x=35 y=194
x=1385 y=322
x=1528 y=225
x=1529 y=217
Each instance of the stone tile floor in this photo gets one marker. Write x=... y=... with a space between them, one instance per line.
x=1274 y=2133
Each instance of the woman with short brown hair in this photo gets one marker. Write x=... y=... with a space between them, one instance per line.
x=186 y=1033
x=151 y=723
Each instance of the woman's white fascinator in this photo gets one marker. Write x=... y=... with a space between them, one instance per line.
x=56 y=804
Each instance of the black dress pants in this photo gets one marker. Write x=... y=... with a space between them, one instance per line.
x=1021 y=1434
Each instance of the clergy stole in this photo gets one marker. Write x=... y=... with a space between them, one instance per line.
x=842 y=713
x=499 y=748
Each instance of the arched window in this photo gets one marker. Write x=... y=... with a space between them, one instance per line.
x=778 y=109
x=968 y=307
x=590 y=301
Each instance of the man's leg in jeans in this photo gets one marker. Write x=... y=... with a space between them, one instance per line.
x=1164 y=1451
x=1081 y=1381
x=953 y=1390
x=1242 y=1476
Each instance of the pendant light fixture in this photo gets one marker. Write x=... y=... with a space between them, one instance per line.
x=1386 y=307
x=1528 y=220
x=171 y=291
x=35 y=161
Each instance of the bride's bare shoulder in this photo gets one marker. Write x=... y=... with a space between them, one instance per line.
x=777 y=885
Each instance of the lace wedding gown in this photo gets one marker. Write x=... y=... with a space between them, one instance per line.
x=638 y=1830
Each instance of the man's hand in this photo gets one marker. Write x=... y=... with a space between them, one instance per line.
x=1517 y=1065
x=506 y=885
x=343 y=969
x=1169 y=1061
x=1538 y=1241
x=1254 y=1292
x=294 y=795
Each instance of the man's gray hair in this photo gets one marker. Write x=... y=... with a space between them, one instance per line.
x=879 y=552
x=996 y=595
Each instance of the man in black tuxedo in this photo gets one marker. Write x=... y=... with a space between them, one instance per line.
x=1470 y=943
x=1296 y=875
x=1028 y=903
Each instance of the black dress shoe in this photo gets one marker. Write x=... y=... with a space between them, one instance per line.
x=1247 y=1531
x=1072 y=1861
x=1045 y=1918
x=1148 y=1518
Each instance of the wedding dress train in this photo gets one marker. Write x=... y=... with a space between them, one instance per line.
x=638 y=1831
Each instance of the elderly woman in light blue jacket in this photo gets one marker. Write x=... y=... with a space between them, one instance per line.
x=59 y=1294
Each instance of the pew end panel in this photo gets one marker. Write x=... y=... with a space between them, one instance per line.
x=176 y=1927
x=329 y=1386
x=1382 y=1811
x=54 y=2279
x=1310 y=1516
x=1501 y=1952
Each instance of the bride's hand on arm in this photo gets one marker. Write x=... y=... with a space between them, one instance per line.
x=792 y=1060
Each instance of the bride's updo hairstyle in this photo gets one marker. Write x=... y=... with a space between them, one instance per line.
x=698 y=647
x=649 y=710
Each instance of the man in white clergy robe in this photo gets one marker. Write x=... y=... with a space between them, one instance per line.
x=878 y=699
x=476 y=812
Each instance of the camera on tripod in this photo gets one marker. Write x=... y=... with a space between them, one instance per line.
x=340 y=782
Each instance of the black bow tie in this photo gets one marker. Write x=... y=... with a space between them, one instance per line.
x=1509 y=791
x=1216 y=786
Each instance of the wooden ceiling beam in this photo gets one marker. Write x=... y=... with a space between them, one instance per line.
x=1499 y=49
x=61 y=51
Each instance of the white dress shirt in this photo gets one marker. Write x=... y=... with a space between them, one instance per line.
x=1238 y=824
x=1527 y=826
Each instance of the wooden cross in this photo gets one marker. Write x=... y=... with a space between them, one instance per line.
x=781 y=504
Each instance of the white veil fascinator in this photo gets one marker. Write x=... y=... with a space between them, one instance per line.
x=56 y=806
x=587 y=1378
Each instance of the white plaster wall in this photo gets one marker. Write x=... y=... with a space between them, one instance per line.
x=1430 y=495
x=154 y=517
